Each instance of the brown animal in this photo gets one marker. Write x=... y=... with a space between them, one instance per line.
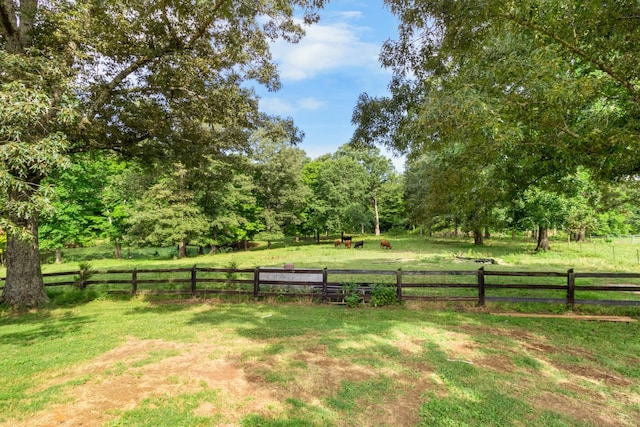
x=385 y=244
x=336 y=243
x=347 y=244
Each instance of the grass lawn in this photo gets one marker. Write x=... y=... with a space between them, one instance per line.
x=139 y=363
x=146 y=362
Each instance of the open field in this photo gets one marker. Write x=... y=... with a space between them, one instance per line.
x=409 y=252
x=154 y=362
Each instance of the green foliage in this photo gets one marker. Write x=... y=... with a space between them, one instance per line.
x=35 y=105
x=281 y=192
x=166 y=85
x=352 y=294
x=167 y=216
x=383 y=294
x=77 y=216
x=506 y=99
x=230 y=275
x=341 y=196
x=85 y=273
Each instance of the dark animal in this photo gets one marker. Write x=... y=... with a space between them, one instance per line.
x=359 y=244
x=346 y=238
x=385 y=244
x=347 y=244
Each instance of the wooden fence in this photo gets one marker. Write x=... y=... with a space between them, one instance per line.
x=480 y=286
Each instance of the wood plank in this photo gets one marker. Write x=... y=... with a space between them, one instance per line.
x=626 y=319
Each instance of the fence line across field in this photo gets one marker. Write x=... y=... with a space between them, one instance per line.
x=479 y=286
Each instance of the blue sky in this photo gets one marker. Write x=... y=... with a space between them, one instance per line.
x=323 y=75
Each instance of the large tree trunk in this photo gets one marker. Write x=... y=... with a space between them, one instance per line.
x=478 y=237
x=543 y=239
x=118 y=250
x=58 y=255
x=581 y=235
x=24 y=286
x=182 y=249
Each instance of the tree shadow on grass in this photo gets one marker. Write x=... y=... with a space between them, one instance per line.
x=47 y=327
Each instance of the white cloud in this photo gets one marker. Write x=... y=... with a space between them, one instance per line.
x=281 y=107
x=276 y=106
x=311 y=104
x=326 y=48
x=350 y=14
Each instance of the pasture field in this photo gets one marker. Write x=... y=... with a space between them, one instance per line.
x=408 y=252
x=114 y=361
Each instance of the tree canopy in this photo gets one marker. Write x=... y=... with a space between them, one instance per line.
x=513 y=93
x=146 y=79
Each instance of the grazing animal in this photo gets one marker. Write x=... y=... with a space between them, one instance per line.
x=385 y=244
x=336 y=243
x=346 y=238
x=347 y=244
x=359 y=244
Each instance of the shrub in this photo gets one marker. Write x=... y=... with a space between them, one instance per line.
x=352 y=295
x=383 y=294
x=81 y=280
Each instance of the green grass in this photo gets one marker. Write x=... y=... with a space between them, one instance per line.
x=148 y=361
x=316 y=365
x=409 y=253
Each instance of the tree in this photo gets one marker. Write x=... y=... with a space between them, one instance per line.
x=34 y=107
x=85 y=76
x=531 y=88
x=77 y=215
x=342 y=190
x=226 y=191
x=393 y=214
x=125 y=184
x=447 y=185
x=545 y=210
x=280 y=189
x=564 y=69
x=167 y=216
x=379 y=169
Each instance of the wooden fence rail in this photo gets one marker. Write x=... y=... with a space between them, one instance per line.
x=479 y=286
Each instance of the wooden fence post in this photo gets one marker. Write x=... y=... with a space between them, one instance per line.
x=134 y=281
x=256 y=283
x=571 y=289
x=194 y=281
x=399 y=285
x=481 y=286
x=324 y=286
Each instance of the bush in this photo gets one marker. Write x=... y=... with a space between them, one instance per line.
x=352 y=295
x=383 y=294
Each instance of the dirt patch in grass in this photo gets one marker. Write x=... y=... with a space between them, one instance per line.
x=121 y=379
x=593 y=414
x=266 y=379
x=576 y=382
x=312 y=376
